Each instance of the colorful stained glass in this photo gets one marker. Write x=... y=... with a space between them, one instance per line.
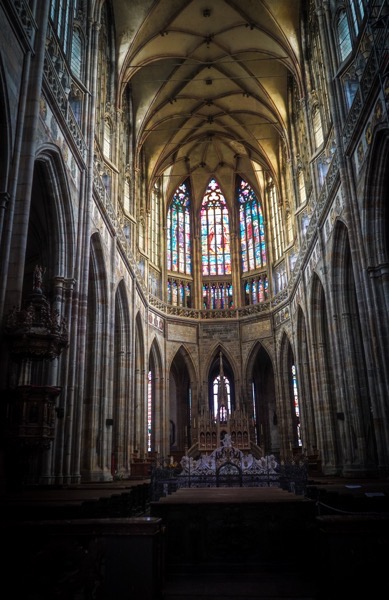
x=252 y=228
x=217 y=295
x=215 y=232
x=256 y=289
x=178 y=232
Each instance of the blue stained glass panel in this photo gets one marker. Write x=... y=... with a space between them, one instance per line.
x=178 y=232
x=215 y=232
x=251 y=226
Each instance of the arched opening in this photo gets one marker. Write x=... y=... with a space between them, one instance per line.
x=354 y=413
x=121 y=409
x=305 y=387
x=96 y=457
x=181 y=409
x=221 y=382
x=324 y=390
x=154 y=408
x=291 y=423
x=260 y=376
x=138 y=414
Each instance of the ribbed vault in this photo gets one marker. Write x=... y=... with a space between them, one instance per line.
x=209 y=85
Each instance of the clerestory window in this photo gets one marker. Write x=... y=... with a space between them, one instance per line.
x=215 y=232
x=252 y=229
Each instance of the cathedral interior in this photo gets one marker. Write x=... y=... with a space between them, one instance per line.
x=194 y=251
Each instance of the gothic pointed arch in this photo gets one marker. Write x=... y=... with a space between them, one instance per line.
x=121 y=426
x=155 y=413
x=50 y=239
x=375 y=206
x=376 y=245
x=96 y=456
x=354 y=413
x=303 y=364
x=221 y=365
x=291 y=422
x=182 y=406
x=216 y=251
x=51 y=194
x=179 y=247
x=324 y=396
x=262 y=405
x=138 y=416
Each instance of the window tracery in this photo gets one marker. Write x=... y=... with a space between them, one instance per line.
x=252 y=228
x=215 y=232
x=344 y=37
x=179 y=258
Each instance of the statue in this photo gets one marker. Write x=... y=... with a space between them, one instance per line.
x=227 y=441
x=38 y=278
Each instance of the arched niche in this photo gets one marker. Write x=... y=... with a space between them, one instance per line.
x=262 y=399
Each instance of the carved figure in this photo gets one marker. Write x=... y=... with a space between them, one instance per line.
x=38 y=277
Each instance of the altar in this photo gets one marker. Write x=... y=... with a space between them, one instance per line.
x=228 y=466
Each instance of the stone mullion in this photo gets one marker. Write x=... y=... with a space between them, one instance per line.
x=197 y=272
x=236 y=271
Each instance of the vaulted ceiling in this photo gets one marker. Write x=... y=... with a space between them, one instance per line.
x=209 y=83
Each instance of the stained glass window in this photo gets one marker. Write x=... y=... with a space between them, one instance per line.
x=179 y=292
x=252 y=229
x=215 y=232
x=256 y=289
x=221 y=387
x=217 y=295
x=344 y=38
x=178 y=232
x=317 y=127
x=76 y=56
x=301 y=186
